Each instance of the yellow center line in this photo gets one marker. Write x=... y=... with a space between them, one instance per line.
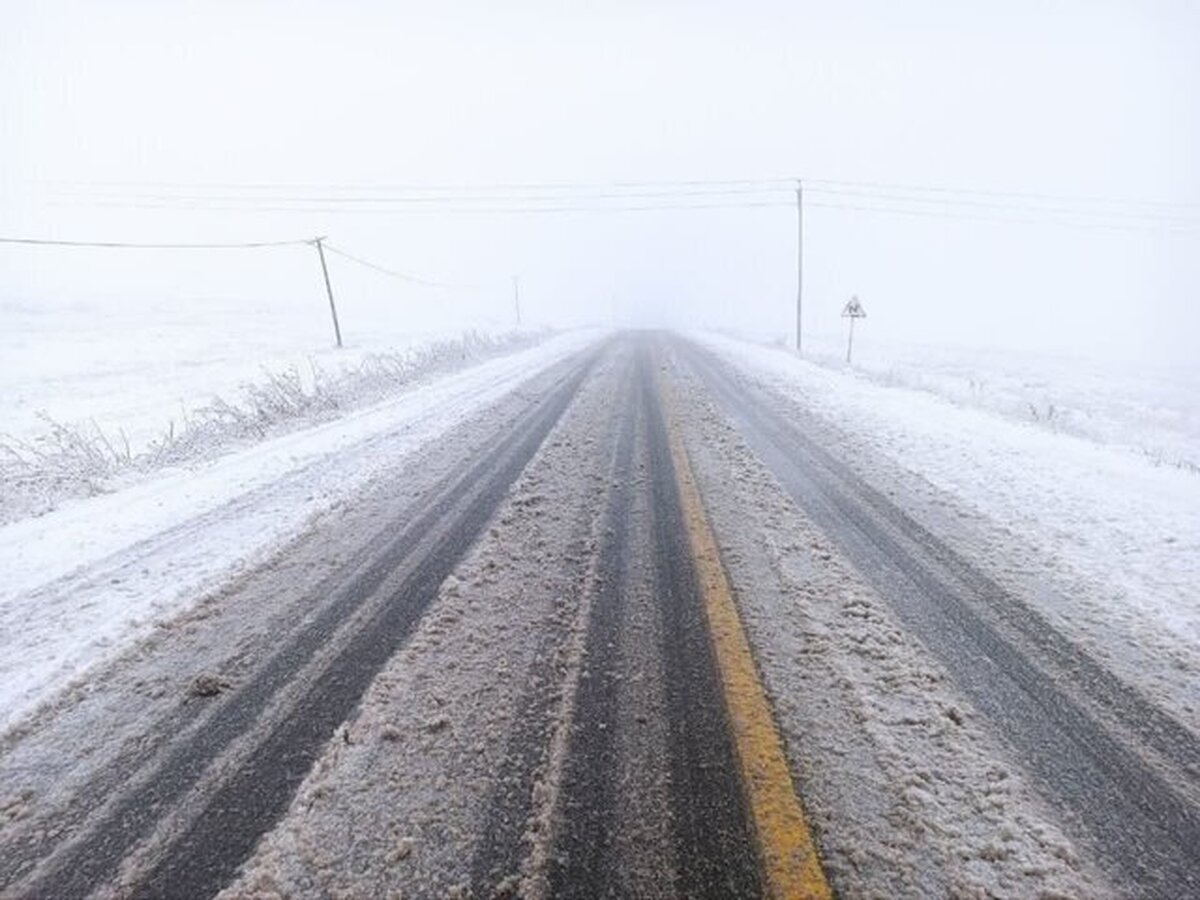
x=788 y=853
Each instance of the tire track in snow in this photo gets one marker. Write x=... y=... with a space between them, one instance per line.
x=503 y=847
x=693 y=837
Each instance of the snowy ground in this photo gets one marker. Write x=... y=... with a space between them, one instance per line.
x=96 y=399
x=86 y=579
x=134 y=366
x=1152 y=410
x=1103 y=536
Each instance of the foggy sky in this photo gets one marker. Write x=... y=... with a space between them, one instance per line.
x=1097 y=99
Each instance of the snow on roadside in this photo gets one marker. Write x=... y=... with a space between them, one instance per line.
x=132 y=430
x=84 y=580
x=134 y=363
x=1151 y=410
x=1121 y=535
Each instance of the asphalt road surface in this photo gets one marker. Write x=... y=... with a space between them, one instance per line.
x=535 y=662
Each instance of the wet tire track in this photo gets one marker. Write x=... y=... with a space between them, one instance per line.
x=713 y=851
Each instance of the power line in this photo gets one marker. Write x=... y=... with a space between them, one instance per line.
x=414 y=186
x=680 y=195
x=673 y=186
x=443 y=198
x=1016 y=207
x=1060 y=217
x=435 y=210
x=1007 y=220
x=610 y=201
x=1026 y=195
x=139 y=246
x=403 y=276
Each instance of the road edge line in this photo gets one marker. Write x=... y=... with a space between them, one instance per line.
x=787 y=851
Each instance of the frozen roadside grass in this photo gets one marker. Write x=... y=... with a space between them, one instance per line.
x=909 y=792
x=69 y=460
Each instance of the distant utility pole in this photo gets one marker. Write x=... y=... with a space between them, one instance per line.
x=852 y=310
x=799 y=257
x=517 y=297
x=337 y=331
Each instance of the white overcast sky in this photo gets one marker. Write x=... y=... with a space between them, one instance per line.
x=103 y=101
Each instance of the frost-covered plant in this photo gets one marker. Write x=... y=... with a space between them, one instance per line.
x=81 y=459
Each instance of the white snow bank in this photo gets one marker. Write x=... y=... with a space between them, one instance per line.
x=1150 y=410
x=1129 y=527
x=89 y=577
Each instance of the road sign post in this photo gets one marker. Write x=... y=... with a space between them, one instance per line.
x=852 y=310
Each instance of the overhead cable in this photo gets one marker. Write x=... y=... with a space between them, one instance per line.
x=665 y=186
x=403 y=276
x=141 y=246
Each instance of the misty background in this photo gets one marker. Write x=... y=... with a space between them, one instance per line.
x=463 y=144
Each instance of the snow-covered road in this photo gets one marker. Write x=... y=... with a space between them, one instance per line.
x=464 y=643
x=1078 y=731
x=84 y=581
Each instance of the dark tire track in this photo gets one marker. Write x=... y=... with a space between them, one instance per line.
x=712 y=850
x=129 y=760
x=716 y=846
x=503 y=843
x=588 y=801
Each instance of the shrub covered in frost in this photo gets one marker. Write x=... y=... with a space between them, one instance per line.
x=81 y=459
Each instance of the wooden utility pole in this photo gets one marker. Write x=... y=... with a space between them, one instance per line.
x=517 y=297
x=799 y=258
x=337 y=331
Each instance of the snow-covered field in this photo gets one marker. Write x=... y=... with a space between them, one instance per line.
x=83 y=580
x=1110 y=529
x=1150 y=409
x=95 y=397
x=134 y=367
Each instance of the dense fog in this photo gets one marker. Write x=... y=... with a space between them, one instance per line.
x=557 y=142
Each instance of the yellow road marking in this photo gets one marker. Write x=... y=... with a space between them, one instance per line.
x=791 y=865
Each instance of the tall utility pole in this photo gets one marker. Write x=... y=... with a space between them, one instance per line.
x=799 y=257
x=337 y=331
x=517 y=297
